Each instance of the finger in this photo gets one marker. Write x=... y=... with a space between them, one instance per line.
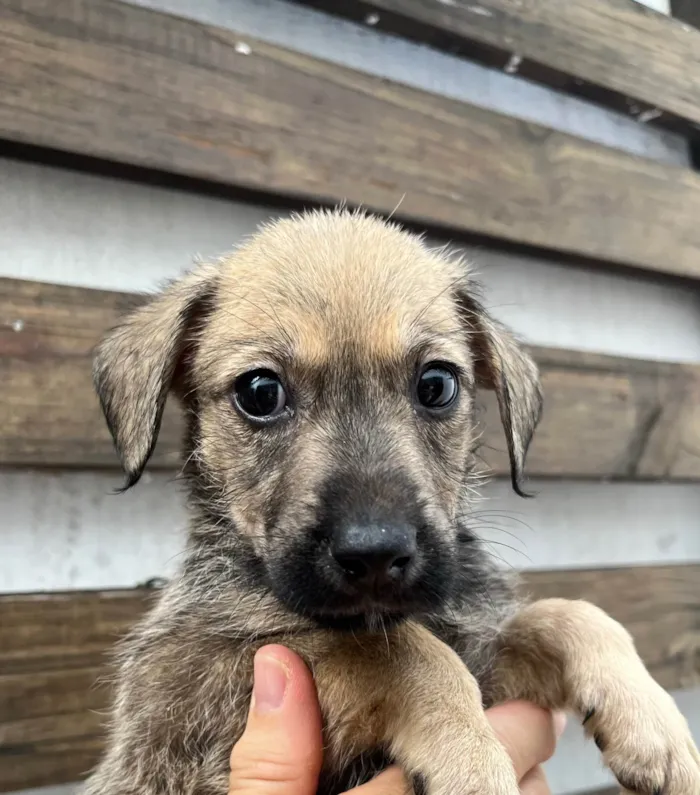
x=535 y=783
x=528 y=732
x=280 y=750
x=390 y=782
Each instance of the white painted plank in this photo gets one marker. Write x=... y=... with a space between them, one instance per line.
x=368 y=50
x=662 y=6
x=64 y=531
x=587 y=525
x=563 y=306
x=71 y=228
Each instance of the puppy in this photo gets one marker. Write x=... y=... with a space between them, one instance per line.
x=328 y=372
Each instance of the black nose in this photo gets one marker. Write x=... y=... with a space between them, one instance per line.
x=375 y=554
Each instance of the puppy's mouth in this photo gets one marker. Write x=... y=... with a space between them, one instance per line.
x=362 y=613
x=369 y=620
x=306 y=582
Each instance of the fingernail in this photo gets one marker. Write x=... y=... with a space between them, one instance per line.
x=559 y=723
x=269 y=684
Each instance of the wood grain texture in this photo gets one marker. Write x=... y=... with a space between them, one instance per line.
x=616 y=52
x=53 y=652
x=130 y=85
x=53 y=647
x=605 y=417
x=609 y=417
x=50 y=414
x=687 y=11
x=659 y=605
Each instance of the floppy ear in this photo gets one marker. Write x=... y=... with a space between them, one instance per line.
x=503 y=365
x=135 y=364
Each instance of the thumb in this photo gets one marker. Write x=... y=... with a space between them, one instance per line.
x=280 y=750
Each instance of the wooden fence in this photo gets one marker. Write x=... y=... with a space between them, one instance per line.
x=140 y=88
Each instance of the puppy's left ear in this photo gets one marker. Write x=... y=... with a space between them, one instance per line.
x=503 y=365
x=135 y=365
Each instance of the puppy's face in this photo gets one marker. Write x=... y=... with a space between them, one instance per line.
x=329 y=369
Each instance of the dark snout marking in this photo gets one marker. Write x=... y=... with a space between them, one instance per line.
x=371 y=551
x=375 y=554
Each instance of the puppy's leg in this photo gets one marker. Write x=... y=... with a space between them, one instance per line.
x=566 y=654
x=410 y=694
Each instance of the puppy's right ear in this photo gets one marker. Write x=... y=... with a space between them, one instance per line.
x=134 y=365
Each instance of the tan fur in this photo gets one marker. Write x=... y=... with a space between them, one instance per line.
x=344 y=303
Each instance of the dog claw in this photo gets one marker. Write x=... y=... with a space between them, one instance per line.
x=646 y=744
x=588 y=716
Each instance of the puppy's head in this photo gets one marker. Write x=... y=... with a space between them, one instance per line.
x=328 y=370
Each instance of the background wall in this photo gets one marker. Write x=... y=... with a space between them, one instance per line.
x=662 y=6
x=64 y=530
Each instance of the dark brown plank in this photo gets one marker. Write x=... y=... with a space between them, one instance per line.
x=610 y=417
x=40 y=693
x=49 y=764
x=687 y=11
x=54 y=683
x=659 y=605
x=131 y=85
x=605 y=417
x=49 y=414
x=616 y=52
x=64 y=631
x=50 y=711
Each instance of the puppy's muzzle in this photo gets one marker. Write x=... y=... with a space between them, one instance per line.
x=373 y=557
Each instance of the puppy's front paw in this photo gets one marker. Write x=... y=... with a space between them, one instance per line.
x=644 y=738
x=476 y=767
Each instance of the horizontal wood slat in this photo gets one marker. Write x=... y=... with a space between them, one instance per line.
x=659 y=605
x=616 y=52
x=687 y=11
x=49 y=414
x=127 y=84
x=605 y=417
x=52 y=650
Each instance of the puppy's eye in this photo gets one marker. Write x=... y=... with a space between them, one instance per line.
x=260 y=394
x=437 y=387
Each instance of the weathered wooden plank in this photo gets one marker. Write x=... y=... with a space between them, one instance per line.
x=131 y=85
x=50 y=711
x=41 y=693
x=64 y=631
x=49 y=413
x=610 y=417
x=53 y=681
x=687 y=11
x=605 y=417
x=659 y=605
x=616 y=52
x=48 y=764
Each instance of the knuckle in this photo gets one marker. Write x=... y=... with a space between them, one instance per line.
x=254 y=767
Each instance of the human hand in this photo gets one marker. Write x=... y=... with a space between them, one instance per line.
x=280 y=752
